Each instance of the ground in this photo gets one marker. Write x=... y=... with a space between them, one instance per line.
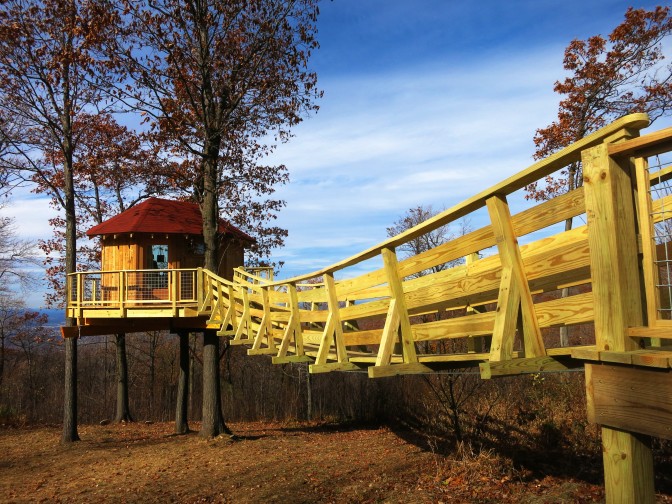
x=269 y=462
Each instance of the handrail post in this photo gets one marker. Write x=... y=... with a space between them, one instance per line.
x=173 y=278
x=612 y=238
x=122 y=293
x=80 y=290
x=199 y=289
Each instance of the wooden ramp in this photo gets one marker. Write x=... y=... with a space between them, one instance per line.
x=481 y=299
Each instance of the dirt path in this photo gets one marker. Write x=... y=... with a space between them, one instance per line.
x=270 y=463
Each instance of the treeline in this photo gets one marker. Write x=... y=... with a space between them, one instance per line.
x=456 y=406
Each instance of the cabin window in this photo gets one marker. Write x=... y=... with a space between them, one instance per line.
x=159 y=257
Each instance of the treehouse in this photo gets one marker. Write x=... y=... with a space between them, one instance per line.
x=149 y=262
x=160 y=234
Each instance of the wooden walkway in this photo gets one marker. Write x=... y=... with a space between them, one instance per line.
x=451 y=306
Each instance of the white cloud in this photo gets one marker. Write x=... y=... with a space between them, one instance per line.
x=31 y=215
x=382 y=144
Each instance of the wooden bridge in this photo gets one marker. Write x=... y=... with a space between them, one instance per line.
x=492 y=298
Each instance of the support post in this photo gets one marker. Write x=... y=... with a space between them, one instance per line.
x=182 y=403
x=627 y=457
x=514 y=292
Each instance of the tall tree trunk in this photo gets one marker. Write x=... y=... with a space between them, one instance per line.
x=182 y=407
x=210 y=210
x=70 y=395
x=213 y=420
x=123 y=411
x=192 y=372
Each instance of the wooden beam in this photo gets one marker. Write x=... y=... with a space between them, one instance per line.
x=646 y=145
x=512 y=263
x=333 y=328
x=627 y=458
x=613 y=250
x=398 y=369
x=632 y=399
x=293 y=328
x=265 y=327
x=397 y=324
x=646 y=230
x=524 y=366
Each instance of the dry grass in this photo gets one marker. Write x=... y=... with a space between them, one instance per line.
x=288 y=463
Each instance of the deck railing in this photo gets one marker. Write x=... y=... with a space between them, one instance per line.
x=119 y=290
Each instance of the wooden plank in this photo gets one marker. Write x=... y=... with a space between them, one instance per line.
x=569 y=351
x=663 y=331
x=652 y=358
x=475 y=358
x=287 y=359
x=632 y=399
x=523 y=366
x=613 y=250
x=262 y=351
x=368 y=337
x=647 y=145
x=477 y=324
x=511 y=258
x=398 y=369
x=575 y=309
x=616 y=357
x=332 y=366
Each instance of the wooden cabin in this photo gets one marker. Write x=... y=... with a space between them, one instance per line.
x=160 y=234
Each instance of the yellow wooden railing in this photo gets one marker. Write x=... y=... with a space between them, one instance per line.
x=423 y=313
x=111 y=294
x=495 y=311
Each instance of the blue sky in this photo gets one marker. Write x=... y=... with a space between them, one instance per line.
x=425 y=102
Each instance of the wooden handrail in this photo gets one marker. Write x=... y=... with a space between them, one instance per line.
x=644 y=146
x=531 y=174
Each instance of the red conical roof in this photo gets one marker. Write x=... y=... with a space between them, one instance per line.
x=156 y=215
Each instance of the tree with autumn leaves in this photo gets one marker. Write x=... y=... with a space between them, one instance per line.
x=608 y=78
x=213 y=79
x=52 y=70
x=210 y=78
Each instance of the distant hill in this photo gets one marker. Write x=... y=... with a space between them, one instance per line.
x=56 y=316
